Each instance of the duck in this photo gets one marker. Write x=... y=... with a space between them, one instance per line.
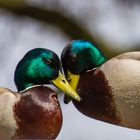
x=34 y=112
x=109 y=89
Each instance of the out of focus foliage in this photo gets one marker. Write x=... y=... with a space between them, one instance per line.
x=72 y=23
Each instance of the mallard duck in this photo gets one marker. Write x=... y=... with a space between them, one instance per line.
x=109 y=89
x=34 y=111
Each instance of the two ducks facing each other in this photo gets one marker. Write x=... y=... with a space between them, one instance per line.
x=109 y=90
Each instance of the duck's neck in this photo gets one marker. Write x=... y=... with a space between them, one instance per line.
x=23 y=85
x=97 y=57
x=91 y=57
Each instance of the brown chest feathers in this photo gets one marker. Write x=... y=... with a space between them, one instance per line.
x=38 y=114
x=97 y=100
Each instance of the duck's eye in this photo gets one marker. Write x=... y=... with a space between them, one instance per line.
x=48 y=61
x=69 y=80
x=74 y=57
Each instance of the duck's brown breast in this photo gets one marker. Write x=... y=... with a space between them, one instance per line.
x=97 y=100
x=38 y=114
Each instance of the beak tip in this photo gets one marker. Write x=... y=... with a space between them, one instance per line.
x=77 y=98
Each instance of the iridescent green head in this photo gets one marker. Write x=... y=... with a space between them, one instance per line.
x=41 y=66
x=80 y=55
x=38 y=66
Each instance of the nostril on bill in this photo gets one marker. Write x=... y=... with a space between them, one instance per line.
x=63 y=81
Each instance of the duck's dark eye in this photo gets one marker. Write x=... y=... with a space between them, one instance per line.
x=69 y=79
x=74 y=57
x=48 y=61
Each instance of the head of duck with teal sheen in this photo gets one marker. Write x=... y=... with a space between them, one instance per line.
x=81 y=55
x=41 y=66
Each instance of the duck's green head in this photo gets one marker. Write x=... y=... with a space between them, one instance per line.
x=41 y=66
x=78 y=57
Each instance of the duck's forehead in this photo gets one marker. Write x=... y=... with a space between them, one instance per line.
x=38 y=52
x=80 y=45
x=47 y=54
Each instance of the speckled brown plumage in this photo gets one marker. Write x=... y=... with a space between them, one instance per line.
x=38 y=114
x=97 y=100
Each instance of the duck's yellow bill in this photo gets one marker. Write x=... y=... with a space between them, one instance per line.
x=73 y=80
x=61 y=83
